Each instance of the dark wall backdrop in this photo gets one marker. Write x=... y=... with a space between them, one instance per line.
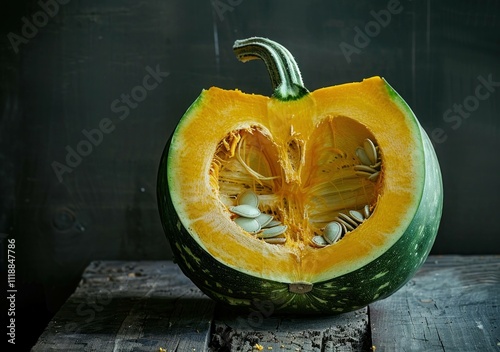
x=70 y=68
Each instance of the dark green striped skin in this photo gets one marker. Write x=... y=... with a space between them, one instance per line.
x=376 y=280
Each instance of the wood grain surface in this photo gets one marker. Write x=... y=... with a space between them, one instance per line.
x=452 y=304
x=131 y=306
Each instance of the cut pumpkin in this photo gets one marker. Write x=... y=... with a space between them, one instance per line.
x=352 y=155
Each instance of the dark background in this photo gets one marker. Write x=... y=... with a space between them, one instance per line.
x=64 y=78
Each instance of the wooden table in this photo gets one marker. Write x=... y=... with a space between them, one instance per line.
x=452 y=304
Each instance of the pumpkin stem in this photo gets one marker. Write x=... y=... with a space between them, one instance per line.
x=282 y=68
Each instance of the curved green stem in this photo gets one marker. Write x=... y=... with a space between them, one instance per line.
x=283 y=70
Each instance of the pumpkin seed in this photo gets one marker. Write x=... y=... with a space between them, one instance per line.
x=332 y=232
x=370 y=150
x=344 y=229
x=341 y=226
x=248 y=197
x=363 y=174
x=348 y=219
x=366 y=211
x=319 y=241
x=247 y=224
x=264 y=219
x=364 y=168
x=377 y=165
x=356 y=215
x=275 y=240
x=374 y=176
x=273 y=223
x=245 y=210
x=346 y=224
x=361 y=154
x=272 y=231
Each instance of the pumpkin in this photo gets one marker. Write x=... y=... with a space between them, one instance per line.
x=314 y=202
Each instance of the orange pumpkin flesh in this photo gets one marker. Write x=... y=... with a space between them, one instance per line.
x=326 y=126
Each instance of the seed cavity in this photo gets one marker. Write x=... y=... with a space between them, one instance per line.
x=250 y=219
x=370 y=161
x=254 y=182
x=342 y=224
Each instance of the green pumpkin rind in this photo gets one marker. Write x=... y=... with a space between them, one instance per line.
x=376 y=280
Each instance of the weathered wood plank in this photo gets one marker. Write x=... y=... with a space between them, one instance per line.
x=131 y=306
x=260 y=328
x=452 y=304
